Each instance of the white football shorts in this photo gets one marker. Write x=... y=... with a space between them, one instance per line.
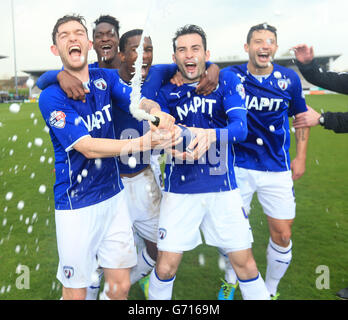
x=144 y=199
x=97 y=235
x=219 y=215
x=275 y=191
x=156 y=168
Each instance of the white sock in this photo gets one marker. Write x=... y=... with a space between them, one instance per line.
x=93 y=289
x=278 y=261
x=144 y=265
x=160 y=289
x=254 y=289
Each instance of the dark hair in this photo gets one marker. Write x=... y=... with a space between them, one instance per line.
x=261 y=26
x=108 y=19
x=65 y=19
x=126 y=36
x=189 y=29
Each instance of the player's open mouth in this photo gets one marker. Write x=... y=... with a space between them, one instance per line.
x=106 y=48
x=75 y=51
x=190 y=67
x=144 y=70
x=263 y=57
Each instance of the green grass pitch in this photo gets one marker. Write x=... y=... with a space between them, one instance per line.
x=27 y=235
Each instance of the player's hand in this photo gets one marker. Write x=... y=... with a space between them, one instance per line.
x=166 y=120
x=209 y=80
x=72 y=86
x=310 y=118
x=174 y=153
x=298 y=168
x=201 y=143
x=162 y=138
x=303 y=54
x=177 y=79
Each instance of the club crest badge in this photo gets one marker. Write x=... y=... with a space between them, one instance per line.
x=57 y=119
x=68 y=272
x=283 y=84
x=162 y=233
x=100 y=84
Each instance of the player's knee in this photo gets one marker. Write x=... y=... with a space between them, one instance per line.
x=123 y=290
x=250 y=267
x=165 y=271
x=119 y=291
x=284 y=238
x=245 y=265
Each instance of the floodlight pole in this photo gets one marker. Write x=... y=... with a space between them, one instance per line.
x=14 y=48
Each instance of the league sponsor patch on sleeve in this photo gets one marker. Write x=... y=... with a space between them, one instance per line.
x=57 y=119
x=240 y=89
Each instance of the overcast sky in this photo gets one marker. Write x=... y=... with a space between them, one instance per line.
x=321 y=23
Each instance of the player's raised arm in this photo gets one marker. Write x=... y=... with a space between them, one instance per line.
x=46 y=79
x=72 y=86
x=209 y=80
x=313 y=73
x=303 y=53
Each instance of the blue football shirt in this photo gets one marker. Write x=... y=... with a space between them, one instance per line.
x=269 y=105
x=81 y=182
x=224 y=111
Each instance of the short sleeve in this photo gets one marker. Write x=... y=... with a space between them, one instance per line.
x=61 y=118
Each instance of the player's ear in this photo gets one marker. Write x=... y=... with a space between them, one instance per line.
x=90 y=44
x=122 y=56
x=207 y=55
x=54 y=50
x=246 y=47
x=173 y=57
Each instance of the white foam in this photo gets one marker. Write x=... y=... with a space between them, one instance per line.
x=42 y=189
x=259 y=141
x=9 y=196
x=20 y=205
x=15 y=108
x=132 y=162
x=38 y=142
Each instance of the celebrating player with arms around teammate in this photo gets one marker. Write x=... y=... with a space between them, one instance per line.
x=202 y=194
x=92 y=218
x=273 y=93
